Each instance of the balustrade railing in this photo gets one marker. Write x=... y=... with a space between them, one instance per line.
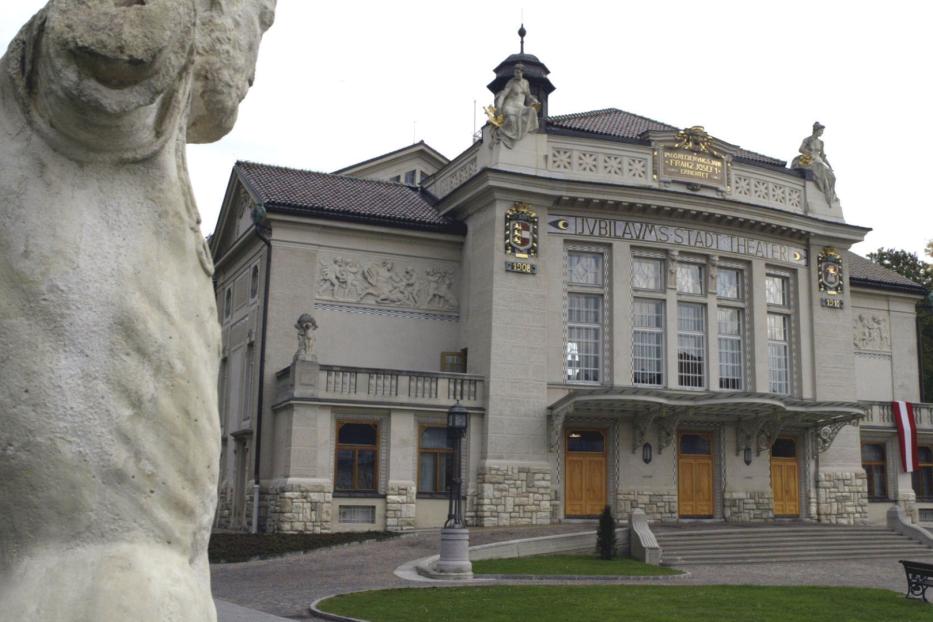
x=881 y=414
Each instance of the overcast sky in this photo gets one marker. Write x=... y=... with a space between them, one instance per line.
x=342 y=82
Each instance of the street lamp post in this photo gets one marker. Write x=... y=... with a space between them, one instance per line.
x=454 y=560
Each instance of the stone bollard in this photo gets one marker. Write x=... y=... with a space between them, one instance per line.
x=454 y=562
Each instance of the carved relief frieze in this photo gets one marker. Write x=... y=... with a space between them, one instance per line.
x=386 y=282
x=767 y=192
x=455 y=178
x=871 y=332
x=598 y=163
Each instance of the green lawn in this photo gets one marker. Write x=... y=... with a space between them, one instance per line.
x=649 y=603
x=569 y=565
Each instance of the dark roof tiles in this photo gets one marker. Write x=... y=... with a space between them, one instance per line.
x=868 y=273
x=344 y=197
x=622 y=124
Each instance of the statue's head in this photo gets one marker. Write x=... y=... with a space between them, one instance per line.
x=519 y=71
x=114 y=56
x=818 y=128
x=87 y=67
x=229 y=32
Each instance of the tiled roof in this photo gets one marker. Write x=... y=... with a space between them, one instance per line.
x=347 y=198
x=622 y=124
x=868 y=273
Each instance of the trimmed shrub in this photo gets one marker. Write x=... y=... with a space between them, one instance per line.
x=606 y=535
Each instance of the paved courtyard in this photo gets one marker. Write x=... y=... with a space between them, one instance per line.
x=286 y=586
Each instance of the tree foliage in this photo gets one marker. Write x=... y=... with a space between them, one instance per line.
x=606 y=535
x=909 y=265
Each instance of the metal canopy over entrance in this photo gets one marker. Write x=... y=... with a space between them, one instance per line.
x=759 y=417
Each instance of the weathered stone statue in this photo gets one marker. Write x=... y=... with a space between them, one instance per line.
x=516 y=110
x=306 y=325
x=813 y=158
x=109 y=342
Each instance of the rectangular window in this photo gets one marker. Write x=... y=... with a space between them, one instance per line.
x=691 y=345
x=777 y=290
x=585 y=268
x=778 y=354
x=396 y=179
x=873 y=461
x=584 y=337
x=729 y=283
x=410 y=178
x=435 y=461
x=731 y=376
x=648 y=274
x=690 y=278
x=357 y=456
x=923 y=474
x=648 y=342
x=356 y=514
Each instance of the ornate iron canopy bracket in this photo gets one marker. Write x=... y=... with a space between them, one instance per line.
x=827 y=434
x=556 y=421
x=640 y=426
x=769 y=433
x=667 y=427
x=747 y=431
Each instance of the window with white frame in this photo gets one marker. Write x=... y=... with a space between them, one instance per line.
x=730 y=288
x=648 y=274
x=585 y=316
x=648 y=342
x=691 y=345
x=648 y=321
x=777 y=296
x=778 y=354
x=690 y=278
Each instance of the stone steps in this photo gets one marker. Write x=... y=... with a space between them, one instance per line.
x=742 y=545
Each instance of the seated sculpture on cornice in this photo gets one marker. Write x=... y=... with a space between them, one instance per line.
x=813 y=158
x=515 y=112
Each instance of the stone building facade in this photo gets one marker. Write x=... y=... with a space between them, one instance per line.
x=634 y=315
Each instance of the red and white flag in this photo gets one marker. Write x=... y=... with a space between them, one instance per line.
x=906 y=433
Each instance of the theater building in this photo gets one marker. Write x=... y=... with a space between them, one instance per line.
x=634 y=314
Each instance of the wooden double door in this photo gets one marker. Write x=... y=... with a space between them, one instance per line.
x=585 y=489
x=695 y=475
x=785 y=477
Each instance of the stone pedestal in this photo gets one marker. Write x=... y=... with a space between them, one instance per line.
x=454 y=562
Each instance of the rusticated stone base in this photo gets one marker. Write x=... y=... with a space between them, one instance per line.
x=842 y=497
x=223 y=516
x=658 y=505
x=748 y=506
x=400 y=506
x=299 y=508
x=512 y=495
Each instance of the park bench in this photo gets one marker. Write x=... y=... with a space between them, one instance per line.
x=919 y=578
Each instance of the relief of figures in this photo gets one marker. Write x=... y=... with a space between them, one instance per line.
x=871 y=333
x=383 y=283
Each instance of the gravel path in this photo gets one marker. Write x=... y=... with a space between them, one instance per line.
x=286 y=586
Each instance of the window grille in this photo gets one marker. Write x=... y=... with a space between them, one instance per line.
x=731 y=369
x=356 y=513
x=691 y=345
x=648 y=342
x=778 y=354
x=584 y=337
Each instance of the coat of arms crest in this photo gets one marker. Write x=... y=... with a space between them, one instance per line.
x=521 y=231
x=829 y=264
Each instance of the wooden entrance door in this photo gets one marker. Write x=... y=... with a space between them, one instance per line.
x=585 y=490
x=695 y=475
x=785 y=482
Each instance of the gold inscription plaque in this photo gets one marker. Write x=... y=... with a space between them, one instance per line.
x=691 y=167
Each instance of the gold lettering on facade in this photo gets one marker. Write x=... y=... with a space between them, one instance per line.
x=690 y=166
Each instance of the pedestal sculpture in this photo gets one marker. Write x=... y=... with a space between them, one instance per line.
x=109 y=342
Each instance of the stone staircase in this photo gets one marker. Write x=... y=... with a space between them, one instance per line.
x=730 y=544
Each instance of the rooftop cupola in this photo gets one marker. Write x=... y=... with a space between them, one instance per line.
x=535 y=72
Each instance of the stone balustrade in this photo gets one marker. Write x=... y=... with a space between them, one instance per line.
x=310 y=380
x=879 y=414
